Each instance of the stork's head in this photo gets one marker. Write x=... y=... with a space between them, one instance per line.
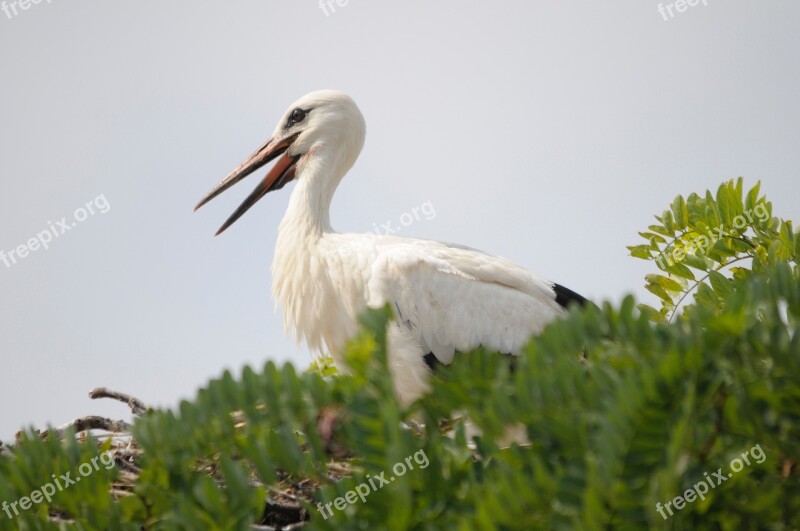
x=323 y=123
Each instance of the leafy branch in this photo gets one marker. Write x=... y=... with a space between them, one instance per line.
x=707 y=235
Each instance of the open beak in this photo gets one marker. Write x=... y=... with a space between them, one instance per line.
x=281 y=173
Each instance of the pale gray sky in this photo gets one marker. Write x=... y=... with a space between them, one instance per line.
x=545 y=132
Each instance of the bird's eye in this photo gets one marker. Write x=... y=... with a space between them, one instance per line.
x=297 y=116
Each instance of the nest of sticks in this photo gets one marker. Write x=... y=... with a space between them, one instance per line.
x=285 y=507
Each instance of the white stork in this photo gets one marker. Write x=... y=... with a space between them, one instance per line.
x=447 y=298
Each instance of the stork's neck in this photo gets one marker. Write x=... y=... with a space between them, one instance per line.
x=300 y=280
x=308 y=214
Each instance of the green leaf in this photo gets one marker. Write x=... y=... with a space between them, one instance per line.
x=720 y=283
x=659 y=292
x=640 y=251
x=652 y=236
x=680 y=212
x=680 y=270
x=752 y=196
x=660 y=229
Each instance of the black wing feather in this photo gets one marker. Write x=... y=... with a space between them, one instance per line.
x=565 y=296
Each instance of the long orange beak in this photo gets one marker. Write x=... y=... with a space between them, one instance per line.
x=281 y=173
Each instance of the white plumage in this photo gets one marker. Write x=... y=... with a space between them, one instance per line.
x=446 y=298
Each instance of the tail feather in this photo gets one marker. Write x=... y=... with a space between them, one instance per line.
x=565 y=296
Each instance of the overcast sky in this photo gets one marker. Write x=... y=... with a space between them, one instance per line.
x=545 y=132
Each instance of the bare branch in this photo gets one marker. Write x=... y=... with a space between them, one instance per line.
x=136 y=405
x=86 y=424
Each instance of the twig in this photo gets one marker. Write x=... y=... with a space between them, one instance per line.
x=697 y=283
x=285 y=494
x=136 y=405
x=88 y=423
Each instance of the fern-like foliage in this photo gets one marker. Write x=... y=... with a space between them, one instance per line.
x=699 y=237
x=624 y=411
